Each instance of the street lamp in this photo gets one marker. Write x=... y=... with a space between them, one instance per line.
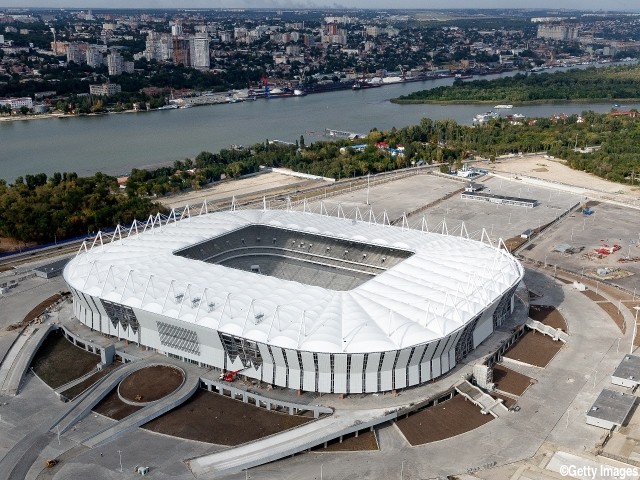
x=368 y=178
x=635 y=327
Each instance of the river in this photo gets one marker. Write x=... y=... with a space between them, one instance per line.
x=115 y=143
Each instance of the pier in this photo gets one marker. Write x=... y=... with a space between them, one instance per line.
x=330 y=132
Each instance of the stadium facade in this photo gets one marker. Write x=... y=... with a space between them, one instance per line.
x=298 y=300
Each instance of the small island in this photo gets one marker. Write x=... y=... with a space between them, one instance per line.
x=612 y=84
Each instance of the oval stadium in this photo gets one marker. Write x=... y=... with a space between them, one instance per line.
x=298 y=300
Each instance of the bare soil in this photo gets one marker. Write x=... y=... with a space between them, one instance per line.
x=534 y=348
x=444 y=420
x=111 y=406
x=151 y=383
x=213 y=418
x=596 y=297
x=514 y=242
x=35 y=312
x=548 y=315
x=509 y=381
x=557 y=171
x=350 y=443
x=58 y=361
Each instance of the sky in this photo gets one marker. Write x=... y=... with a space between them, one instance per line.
x=627 y=5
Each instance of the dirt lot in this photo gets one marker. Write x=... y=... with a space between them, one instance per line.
x=534 y=348
x=111 y=406
x=58 y=361
x=213 y=418
x=151 y=383
x=243 y=186
x=509 y=381
x=555 y=170
x=444 y=420
x=548 y=315
x=350 y=443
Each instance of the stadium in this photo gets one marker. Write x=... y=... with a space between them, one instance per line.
x=298 y=300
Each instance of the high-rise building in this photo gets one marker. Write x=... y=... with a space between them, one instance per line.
x=94 y=56
x=115 y=64
x=558 y=32
x=76 y=52
x=200 y=51
x=176 y=30
x=158 y=47
x=181 y=51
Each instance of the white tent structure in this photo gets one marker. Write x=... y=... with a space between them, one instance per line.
x=410 y=304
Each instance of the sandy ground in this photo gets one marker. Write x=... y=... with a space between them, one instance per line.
x=554 y=170
x=239 y=187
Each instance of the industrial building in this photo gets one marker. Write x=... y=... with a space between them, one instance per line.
x=298 y=300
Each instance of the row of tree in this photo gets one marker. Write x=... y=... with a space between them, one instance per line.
x=38 y=208
x=610 y=83
x=41 y=209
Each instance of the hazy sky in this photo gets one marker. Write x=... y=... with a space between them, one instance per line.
x=629 y=5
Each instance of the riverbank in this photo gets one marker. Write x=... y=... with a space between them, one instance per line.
x=47 y=116
x=576 y=101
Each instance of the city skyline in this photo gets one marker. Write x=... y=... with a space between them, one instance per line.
x=616 y=5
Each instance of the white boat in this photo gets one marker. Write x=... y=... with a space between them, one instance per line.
x=518 y=116
x=485 y=117
x=500 y=107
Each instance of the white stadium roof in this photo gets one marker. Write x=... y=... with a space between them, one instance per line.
x=440 y=288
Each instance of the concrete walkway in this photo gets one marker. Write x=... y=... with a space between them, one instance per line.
x=287 y=443
x=146 y=414
x=75 y=382
x=19 y=357
x=83 y=405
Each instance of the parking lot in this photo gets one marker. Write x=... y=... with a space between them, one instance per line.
x=414 y=193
